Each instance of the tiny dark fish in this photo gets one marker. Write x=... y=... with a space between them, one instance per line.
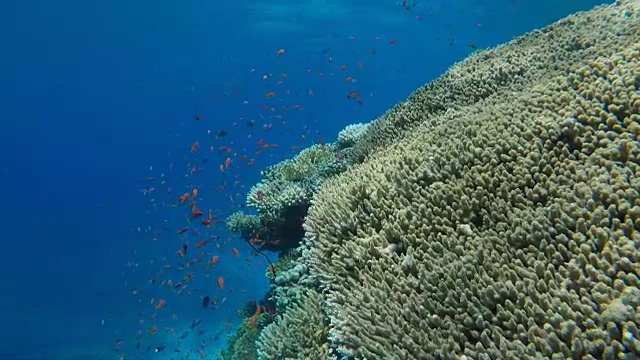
x=205 y=160
x=183 y=230
x=206 y=301
x=221 y=133
x=250 y=123
x=354 y=95
x=472 y=45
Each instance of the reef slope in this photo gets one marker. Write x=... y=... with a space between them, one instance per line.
x=493 y=215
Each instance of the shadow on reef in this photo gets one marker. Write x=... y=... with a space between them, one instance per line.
x=281 y=201
x=283 y=196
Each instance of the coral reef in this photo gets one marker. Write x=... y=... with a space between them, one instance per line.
x=282 y=198
x=300 y=333
x=242 y=345
x=494 y=215
x=350 y=135
x=514 y=66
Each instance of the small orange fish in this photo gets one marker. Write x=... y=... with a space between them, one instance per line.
x=227 y=163
x=354 y=95
x=269 y=94
x=236 y=252
x=195 y=147
x=161 y=304
x=201 y=353
x=194 y=193
x=196 y=213
x=280 y=52
x=202 y=243
x=183 y=198
x=221 y=282
x=214 y=259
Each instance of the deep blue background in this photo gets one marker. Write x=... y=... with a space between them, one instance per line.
x=93 y=94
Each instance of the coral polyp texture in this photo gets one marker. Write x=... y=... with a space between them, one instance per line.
x=504 y=225
x=283 y=196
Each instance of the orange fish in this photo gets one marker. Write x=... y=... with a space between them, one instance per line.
x=214 y=259
x=236 y=252
x=354 y=95
x=161 y=304
x=252 y=322
x=280 y=52
x=201 y=353
x=227 y=163
x=195 y=212
x=202 y=243
x=183 y=198
x=270 y=94
x=221 y=282
x=195 y=147
x=194 y=193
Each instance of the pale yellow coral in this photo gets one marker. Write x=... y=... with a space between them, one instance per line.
x=303 y=166
x=515 y=66
x=300 y=333
x=506 y=223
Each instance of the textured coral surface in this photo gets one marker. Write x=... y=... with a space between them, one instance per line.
x=504 y=225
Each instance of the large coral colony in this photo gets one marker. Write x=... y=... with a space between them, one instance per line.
x=495 y=214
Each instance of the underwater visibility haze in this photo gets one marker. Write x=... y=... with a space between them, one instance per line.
x=274 y=180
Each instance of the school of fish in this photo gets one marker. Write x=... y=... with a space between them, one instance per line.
x=182 y=190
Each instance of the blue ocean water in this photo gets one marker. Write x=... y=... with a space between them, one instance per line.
x=96 y=98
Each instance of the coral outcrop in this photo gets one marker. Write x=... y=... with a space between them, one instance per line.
x=300 y=333
x=282 y=198
x=494 y=215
